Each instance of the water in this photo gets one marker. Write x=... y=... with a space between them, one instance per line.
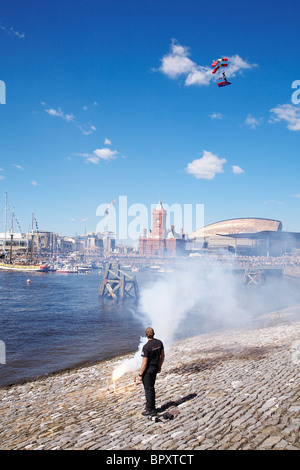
x=59 y=321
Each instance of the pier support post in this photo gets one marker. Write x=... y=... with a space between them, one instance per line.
x=117 y=284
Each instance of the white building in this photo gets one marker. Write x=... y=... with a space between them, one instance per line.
x=19 y=241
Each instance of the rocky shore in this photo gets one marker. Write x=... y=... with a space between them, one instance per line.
x=229 y=389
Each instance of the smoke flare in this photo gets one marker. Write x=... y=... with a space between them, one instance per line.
x=188 y=297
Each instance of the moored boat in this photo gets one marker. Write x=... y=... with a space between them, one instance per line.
x=67 y=269
x=82 y=268
x=23 y=267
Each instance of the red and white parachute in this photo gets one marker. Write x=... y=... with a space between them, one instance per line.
x=217 y=64
x=218 y=61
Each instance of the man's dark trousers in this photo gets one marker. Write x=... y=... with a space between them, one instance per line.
x=149 y=378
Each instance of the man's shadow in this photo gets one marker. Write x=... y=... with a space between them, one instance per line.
x=170 y=404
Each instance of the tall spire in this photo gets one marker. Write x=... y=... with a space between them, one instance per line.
x=159 y=206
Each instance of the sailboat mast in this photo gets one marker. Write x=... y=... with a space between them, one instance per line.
x=5 y=221
x=32 y=236
x=11 y=237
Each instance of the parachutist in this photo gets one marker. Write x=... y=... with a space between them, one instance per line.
x=217 y=64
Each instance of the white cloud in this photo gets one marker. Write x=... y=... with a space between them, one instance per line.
x=85 y=129
x=59 y=113
x=288 y=113
x=93 y=159
x=105 y=154
x=177 y=63
x=12 y=31
x=107 y=141
x=237 y=170
x=2 y=177
x=252 y=122
x=237 y=64
x=18 y=166
x=34 y=183
x=199 y=76
x=206 y=167
x=216 y=116
x=297 y=195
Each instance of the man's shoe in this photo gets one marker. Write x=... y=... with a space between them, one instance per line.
x=149 y=413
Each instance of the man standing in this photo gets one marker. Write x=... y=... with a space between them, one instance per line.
x=153 y=358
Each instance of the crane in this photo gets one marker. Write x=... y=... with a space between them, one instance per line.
x=106 y=214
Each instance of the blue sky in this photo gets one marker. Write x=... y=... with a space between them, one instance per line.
x=107 y=98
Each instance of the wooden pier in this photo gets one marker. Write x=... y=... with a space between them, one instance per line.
x=253 y=277
x=258 y=276
x=118 y=284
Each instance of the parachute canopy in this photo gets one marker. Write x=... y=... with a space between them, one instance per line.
x=217 y=64
x=224 y=83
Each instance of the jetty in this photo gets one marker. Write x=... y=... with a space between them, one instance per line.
x=117 y=283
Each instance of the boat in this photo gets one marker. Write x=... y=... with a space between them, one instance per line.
x=82 y=268
x=67 y=269
x=51 y=267
x=24 y=267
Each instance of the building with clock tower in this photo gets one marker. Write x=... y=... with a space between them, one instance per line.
x=159 y=241
x=159 y=219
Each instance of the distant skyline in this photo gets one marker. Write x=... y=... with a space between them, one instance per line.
x=111 y=99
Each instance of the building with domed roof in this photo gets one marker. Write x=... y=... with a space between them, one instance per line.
x=252 y=236
x=233 y=226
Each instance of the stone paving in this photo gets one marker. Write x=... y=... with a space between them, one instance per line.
x=230 y=389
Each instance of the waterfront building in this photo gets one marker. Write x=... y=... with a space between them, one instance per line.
x=43 y=241
x=101 y=242
x=18 y=241
x=245 y=236
x=159 y=241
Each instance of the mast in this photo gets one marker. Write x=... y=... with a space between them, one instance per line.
x=11 y=237
x=32 y=236
x=5 y=221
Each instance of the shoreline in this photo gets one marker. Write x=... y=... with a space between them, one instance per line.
x=230 y=389
x=66 y=370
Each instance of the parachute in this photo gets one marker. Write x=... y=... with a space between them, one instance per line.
x=224 y=83
x=217 y=64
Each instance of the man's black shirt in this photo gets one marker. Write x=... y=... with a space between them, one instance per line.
x=152 y=350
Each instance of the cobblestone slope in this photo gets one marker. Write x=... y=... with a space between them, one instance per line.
x=236 y=389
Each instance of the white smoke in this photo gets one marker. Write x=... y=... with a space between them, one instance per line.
x=191 y=297
x=184 y=302
x=197 y=297
x=129 y=365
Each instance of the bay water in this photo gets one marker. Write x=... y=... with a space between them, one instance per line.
x=58 y=321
